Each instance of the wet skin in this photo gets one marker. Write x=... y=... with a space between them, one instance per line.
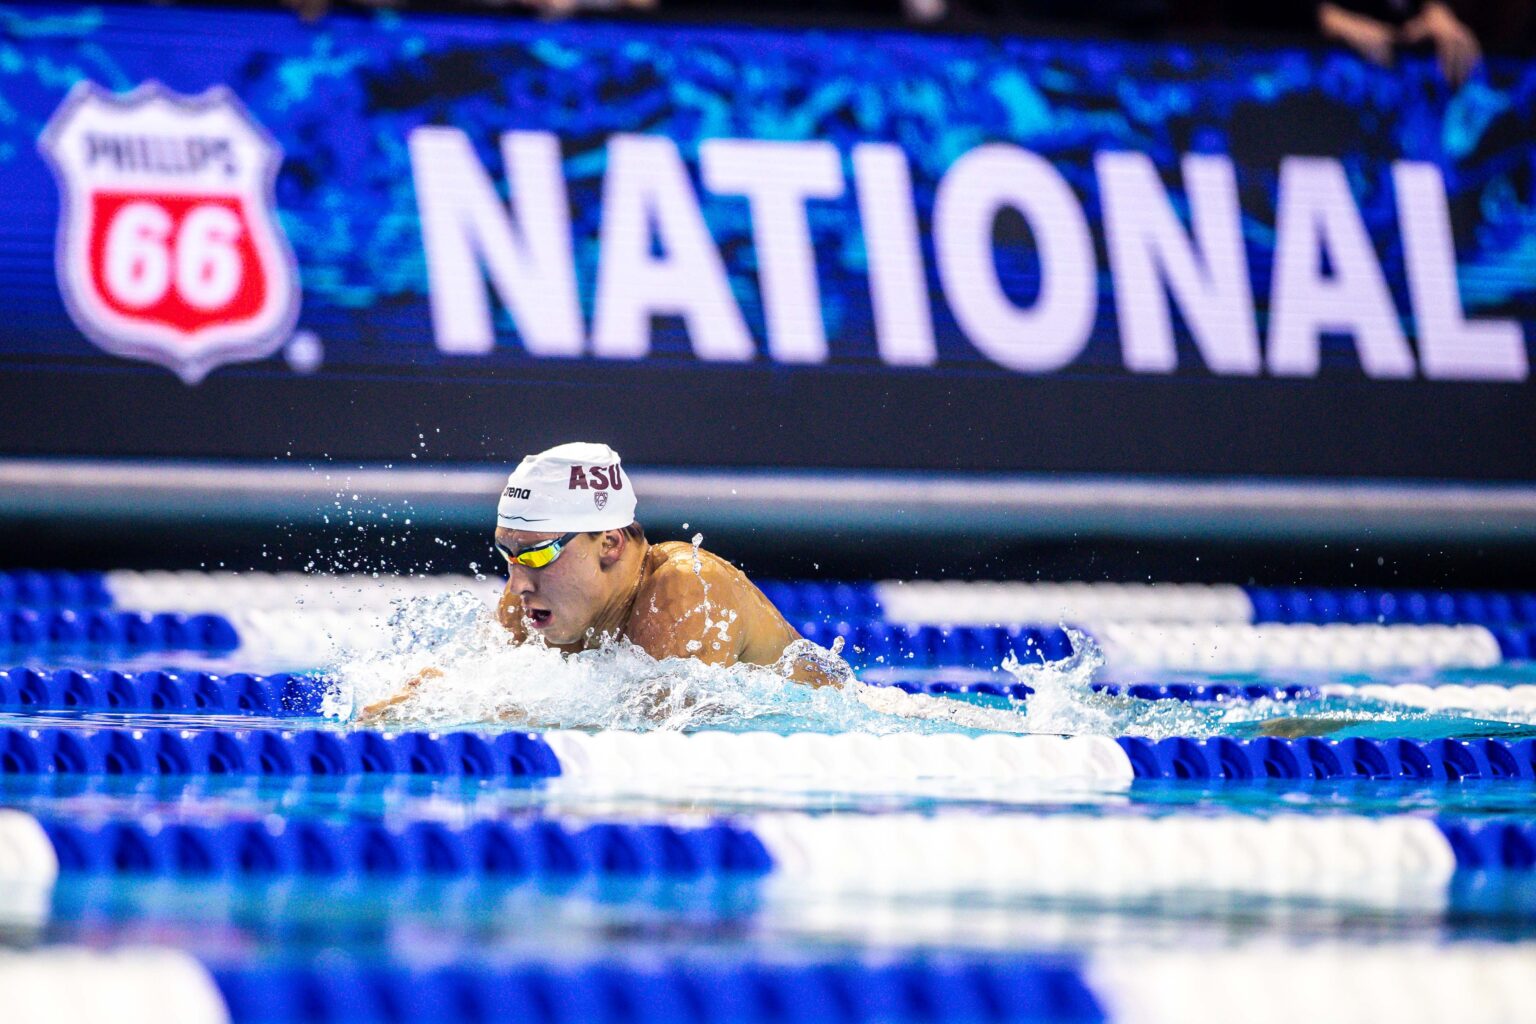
x=666 y=599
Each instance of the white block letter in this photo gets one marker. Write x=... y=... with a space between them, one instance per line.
x=1450 y=346
x=465 y=226
x=646 y=189
x=777 y=178
x=898 y=289
x=1049 y=334
x=1207 y=275
x=1317 y=216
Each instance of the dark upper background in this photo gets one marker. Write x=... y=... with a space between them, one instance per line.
x=1416 y=430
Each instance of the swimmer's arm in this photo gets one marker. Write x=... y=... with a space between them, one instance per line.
x=772 y=637
x=812 y=671
x=1296 y=728
x=379 y=710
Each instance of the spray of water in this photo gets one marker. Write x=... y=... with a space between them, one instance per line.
x=480 y=678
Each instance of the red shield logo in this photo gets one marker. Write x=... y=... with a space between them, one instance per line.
x=169 y=248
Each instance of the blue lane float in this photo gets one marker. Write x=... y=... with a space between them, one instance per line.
x=238 y=693
x=508 y=851
x=32 y=588
x=1516 y=643
x=1311 y=759
x=989 y=991
x=872 y=642
x=828 y=601
x=1187 y=692
x=868 y=643
x=74 y=751
x=226 y=752
x=633 y=851
x=1209 y=692
x=76 y=630
x=807 y=599
x=1499 y=846
x=297 y=695
x=526 y=850
x=1391 y=607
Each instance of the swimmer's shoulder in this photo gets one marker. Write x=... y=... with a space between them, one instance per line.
x=669 y=550
x=728 y=585
x=680 y=561
x=680 y=577
x=673 y=565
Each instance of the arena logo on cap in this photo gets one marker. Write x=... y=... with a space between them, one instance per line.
x=169 y=249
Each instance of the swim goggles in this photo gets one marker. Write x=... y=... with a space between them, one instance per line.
x=538 y=556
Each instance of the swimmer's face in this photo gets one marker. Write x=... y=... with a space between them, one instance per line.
x=563 y=599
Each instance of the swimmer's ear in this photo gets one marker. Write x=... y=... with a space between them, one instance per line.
x=610 y=546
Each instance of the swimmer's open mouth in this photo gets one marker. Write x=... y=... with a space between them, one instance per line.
x=539 y=617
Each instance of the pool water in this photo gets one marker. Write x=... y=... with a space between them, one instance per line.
x=918 y=844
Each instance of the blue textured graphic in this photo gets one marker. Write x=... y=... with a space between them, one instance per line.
x=342 y=99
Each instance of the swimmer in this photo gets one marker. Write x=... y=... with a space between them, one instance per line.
x=580 y=572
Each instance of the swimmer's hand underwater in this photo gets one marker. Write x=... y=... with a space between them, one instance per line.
x=382 y=712
x=379 y=710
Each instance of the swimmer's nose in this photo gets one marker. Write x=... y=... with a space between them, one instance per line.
x=521 y=580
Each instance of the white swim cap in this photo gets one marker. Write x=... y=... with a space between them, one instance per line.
x=571 y=488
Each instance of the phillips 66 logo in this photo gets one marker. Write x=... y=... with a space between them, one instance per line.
x=168 y=247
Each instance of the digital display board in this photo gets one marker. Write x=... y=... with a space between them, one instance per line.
x=231 y=234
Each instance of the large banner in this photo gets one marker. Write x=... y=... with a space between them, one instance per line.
x=230 y=234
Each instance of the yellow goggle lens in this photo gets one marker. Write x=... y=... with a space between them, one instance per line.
x=538 y=558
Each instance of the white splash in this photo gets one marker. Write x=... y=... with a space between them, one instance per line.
x=1065 y=702
x=487 y=679
x=480 y=677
